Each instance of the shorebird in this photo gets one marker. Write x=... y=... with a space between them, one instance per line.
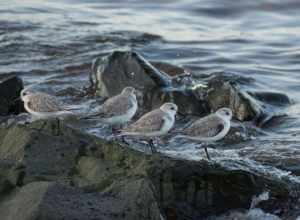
x=156 y=123
x=118 y=109
x=209 y=129
x=43 y=106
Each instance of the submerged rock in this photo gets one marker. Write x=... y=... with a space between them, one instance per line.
x=90 y=178
x=10 y=88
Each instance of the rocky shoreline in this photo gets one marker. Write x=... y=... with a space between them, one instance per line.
x=46 y=174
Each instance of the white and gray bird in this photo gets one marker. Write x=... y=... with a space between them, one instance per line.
x=42 y=105
x=156 y=123
x=208 y=129
x=118 y=109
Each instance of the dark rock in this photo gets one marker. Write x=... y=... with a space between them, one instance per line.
x=110 y=181
x=273 y=98
x=114 y=72
x=160 y=82
x=10 y=88
x=9 y=175
x=170 y=69
x=120 y=69
x=50 y=200
x=185 y=189
x=43 y=154
x=224 y=92
x=228 y=90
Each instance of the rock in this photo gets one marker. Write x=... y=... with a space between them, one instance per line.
x=44 y=155
x=170 y=69
x=252 y=214
x=90 y=178
x=160 y=82
x=114 y=72
x=226 y=90
x=50 y=200
x=9 y=175
x=120 y=69
x=273 y=98
x=10 y=88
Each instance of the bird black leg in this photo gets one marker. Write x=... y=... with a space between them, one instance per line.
x=42 y=126
x=58 y=127
x=152 y=146
x=124 y=140
x=207 y=155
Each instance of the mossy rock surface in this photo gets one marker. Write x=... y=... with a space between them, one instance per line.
x=60 y=175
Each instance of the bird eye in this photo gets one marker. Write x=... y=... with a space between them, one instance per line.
x=227 y=113
x=172 y=108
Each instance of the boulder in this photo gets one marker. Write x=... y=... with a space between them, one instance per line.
x=55 y=201
x=110 y=74
x=194 y=95
x=229 y=90
x=9 y=176
x=42 y=154
x=10 y=88
x=68 y=174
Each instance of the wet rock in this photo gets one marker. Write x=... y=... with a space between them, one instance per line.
x=160 y=82
x=224 y=92
x=44 y=154
x=184 y=189
x=50 y=200
x=120 y=69
x=228 y=90
x=274 y=98
x=9 y=175
x=241 y=132
x=93 y=178
x=168 y=68
x=10 y=88
x=114 y=72
x=253 y=214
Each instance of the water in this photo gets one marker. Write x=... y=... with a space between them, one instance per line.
x=54 y=42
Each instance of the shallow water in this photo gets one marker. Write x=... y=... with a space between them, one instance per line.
x=53 y=43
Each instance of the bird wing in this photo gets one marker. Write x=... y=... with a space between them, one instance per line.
x=114 y=106
x=150 y=122
x=208 y=126
x=42 y=102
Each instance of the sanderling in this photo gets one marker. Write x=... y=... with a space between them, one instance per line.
x=211 y=128
x=156 y=123
x=42 y=106
x=118 y=109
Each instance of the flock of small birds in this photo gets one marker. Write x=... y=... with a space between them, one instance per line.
x=120 y=109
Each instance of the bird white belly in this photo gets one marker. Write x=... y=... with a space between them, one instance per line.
x=45 y=115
